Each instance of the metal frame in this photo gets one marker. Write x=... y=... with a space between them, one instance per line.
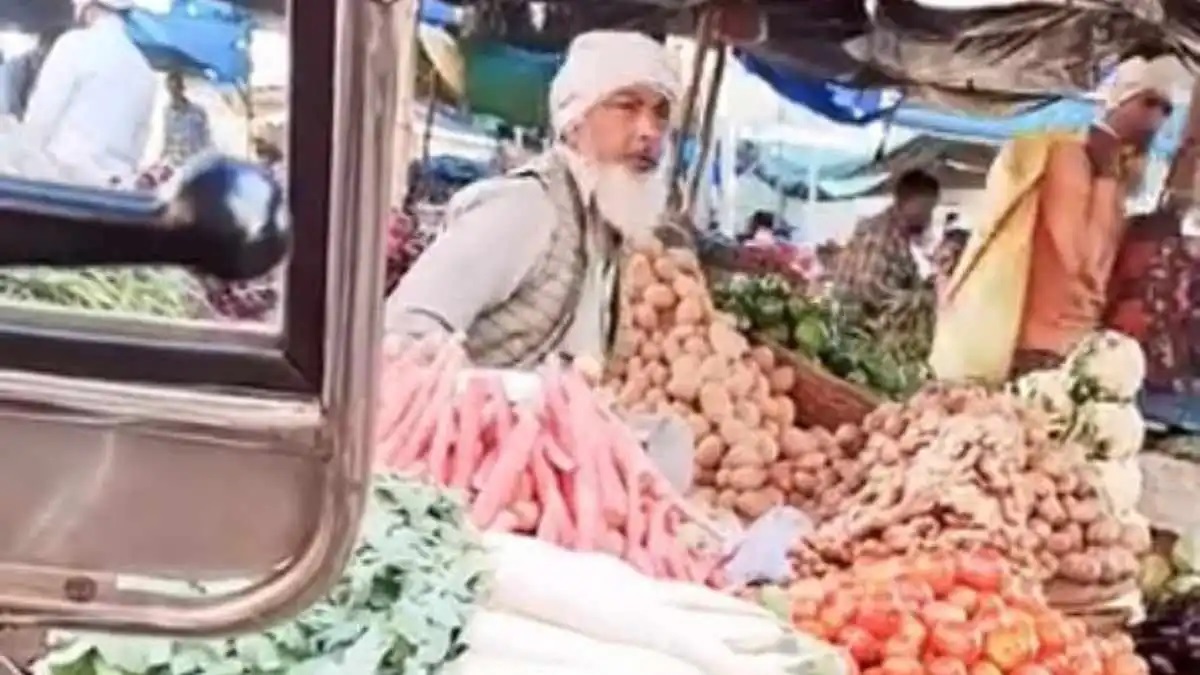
x=110 y=478
x=125 y=348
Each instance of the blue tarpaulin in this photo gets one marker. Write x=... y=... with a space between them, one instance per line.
x=847 y=105
x=203 y=37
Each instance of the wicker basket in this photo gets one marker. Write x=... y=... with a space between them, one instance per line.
x=822 y=399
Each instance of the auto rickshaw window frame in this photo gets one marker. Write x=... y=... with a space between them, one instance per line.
x=132 y=349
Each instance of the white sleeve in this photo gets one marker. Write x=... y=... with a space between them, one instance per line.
x=497 y=230
x=54 y=87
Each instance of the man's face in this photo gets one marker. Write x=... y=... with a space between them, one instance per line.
x=627 y=128
x=916 y=213
x=1137 y=120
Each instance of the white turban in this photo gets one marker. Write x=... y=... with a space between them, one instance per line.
x=117 y=5
x=1138 y=76
x=603 y=62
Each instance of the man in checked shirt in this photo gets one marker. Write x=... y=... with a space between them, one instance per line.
x=878 y=262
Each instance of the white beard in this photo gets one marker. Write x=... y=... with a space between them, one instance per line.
x=633 y=204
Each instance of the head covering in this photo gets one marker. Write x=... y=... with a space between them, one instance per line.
x=1139 y=75
x=602 y=62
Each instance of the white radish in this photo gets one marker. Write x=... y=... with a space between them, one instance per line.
x=538 y=582
x=520 y=638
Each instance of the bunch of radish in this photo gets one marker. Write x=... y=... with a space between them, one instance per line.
x=537 y=454
x=676 y=354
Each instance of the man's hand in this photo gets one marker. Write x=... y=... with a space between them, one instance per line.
x=1104 y=152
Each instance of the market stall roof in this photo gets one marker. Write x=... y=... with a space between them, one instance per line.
x=966 y=54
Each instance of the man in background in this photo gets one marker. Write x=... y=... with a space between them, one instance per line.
x=93 y=100
x=1034 y=277
x=186 y=131
x=878 y=264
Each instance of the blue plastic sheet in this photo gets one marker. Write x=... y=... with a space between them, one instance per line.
x=203 y=37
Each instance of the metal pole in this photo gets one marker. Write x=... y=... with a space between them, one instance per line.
x=1179 y=187
x=704 y=38
x=408 y=18
x=706 y=129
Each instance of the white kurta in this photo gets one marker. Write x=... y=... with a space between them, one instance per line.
x=92 y=104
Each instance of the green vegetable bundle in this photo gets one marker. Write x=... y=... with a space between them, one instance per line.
x=884 y=353
x=164 y=293
x=399 y=608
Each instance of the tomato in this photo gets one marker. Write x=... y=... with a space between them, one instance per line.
x=982 y=570
x=863 y=647
x=937 y=570
x=900 y=647
x=1058 y=664
x=1010 y=646
x=1052 y=634
x=945 y=665
x=1117 y=644
x=1077 y=630
x=964 y=597
x=913 y=592
x=937 y=612
x=1030 y=669
x=902 y=665
x=989 y=604
x=1126 y=664
x=837 y=613
x=957 y=639
x=881 y=618
x=986 y=668
x=912 y=630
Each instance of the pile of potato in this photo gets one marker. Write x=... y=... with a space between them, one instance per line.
x=963 y=467
x=675 y=353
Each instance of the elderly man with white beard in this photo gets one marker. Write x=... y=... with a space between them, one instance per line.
x=527 y=267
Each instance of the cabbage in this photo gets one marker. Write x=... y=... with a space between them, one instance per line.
x=1109 y=430
x=1108 y=366
x=1185 y=554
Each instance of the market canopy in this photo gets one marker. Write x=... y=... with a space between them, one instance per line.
x=966 y=54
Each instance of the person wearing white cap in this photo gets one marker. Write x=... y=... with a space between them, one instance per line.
x=527 y=265
x=1033 y=280
x=93 y=101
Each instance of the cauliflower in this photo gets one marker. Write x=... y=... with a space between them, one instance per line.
x=1107 y=366
x=1121 y=484
x=1048 y=391
x=1109 y=430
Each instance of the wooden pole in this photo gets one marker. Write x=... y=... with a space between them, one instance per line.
x=1179 y=188
x=704 y=37
x=407 y=18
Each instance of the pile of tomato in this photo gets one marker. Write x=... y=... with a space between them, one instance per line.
x=952 y=614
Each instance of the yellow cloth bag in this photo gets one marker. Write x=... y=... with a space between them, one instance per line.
x=979 y=319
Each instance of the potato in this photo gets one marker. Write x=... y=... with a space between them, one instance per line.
x=751 y=505
x=741 y=380
x=768 y=448
x=684 y=387
x=715 y=402
x=689 y=288
x=727 y=341
x=657 y=373
x=721 y=478
x=780 y=475
x=1103 y=531
x=749 y=413
x=665 y=269
x=645 y=316
x=793 y=443
x=705 y=477
x=812 y=461
x=747 y=478
x=782 y=379
x=660 y=297
x=698 y=346
x=1135 y=538
x=699 y=424
x=726 y=499
x=741 y=454
x=1082 y=511
x=848 y=436
x=1059 y=543
x=638 y=273
x=709 y=451
x=805 y=483
x=764 y=357
x=1082 y=568
x=684 y=259
x=704 y=495
x=733 y=432
x=786 y=411
x=689 y=312
x=1052 y=511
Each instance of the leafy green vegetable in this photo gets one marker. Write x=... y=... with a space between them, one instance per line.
x=166 y=293
x=885 y=353
x=399 y=608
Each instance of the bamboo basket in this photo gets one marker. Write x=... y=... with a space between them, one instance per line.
x=822 y=399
